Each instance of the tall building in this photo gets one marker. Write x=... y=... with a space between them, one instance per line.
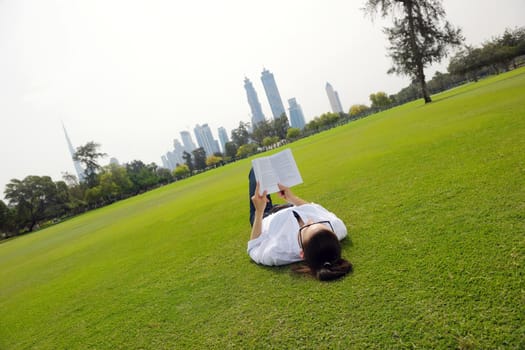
x=333 y=97
x=296 y=114
x=253 y=101
x=187 y=141
x=78 y=168
x=272 y=93
x=165 y=162
x=223 y=138
x=205 y=139
x=173 y=158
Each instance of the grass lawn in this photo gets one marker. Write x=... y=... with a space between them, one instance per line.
x=434 y=200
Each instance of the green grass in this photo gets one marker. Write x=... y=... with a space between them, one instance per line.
x=434 y=199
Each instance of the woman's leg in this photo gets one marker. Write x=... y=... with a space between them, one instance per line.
x=252 y=185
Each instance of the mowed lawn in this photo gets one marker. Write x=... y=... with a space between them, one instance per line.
x=434 y=200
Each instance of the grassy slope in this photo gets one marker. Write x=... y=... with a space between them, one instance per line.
x=434 y=198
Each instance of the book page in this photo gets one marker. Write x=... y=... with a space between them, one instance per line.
x=274 y=169
x=265 y=175
x=283 y=163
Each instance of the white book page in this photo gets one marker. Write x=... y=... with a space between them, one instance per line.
x=278 y=168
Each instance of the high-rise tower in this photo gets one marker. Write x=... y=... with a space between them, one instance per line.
x=76 y=163
x=223 y=138
x=187 y=141
x=333 y=97
x=296 y=114
x=253 y=101
x=205 y=139
x=272 y=92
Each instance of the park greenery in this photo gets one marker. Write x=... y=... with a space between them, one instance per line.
x=433 y=196
x=419 y=37
x=38 y=201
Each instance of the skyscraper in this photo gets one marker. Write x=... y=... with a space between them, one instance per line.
x=223 y=138
x=205 y=139
x=253 y=101
x=333 y=97
x=78 y=168
x=296 y=114
x=187 y=141
x=272 y=93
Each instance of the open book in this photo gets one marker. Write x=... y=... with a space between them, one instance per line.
x=277 y=168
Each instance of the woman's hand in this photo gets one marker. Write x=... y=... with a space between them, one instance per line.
x=287 y=194
x=259 y=201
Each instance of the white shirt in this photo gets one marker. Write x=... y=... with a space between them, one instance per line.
x=278 y=243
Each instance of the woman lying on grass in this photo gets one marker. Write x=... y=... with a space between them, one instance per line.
x=299 y=231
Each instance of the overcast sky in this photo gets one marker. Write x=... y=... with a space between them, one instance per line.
x=131 y=75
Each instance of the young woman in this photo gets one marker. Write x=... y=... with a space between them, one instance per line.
x=300 y=231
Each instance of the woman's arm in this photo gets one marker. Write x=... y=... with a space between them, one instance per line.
x=288 y=196
x=259 y=202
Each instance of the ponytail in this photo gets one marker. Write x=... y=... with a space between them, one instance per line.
x=329 y=271
x=322 y=258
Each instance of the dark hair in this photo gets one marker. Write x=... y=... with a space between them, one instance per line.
x=322 y=257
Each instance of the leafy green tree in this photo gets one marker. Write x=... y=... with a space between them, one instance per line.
x=114 y=182
x=231 y=149
x=380 y=100
x=188 y=160
x=213 y=160
x=280 y=126
x=165 y=176
x=181 y=171
x=241 y=136
x=89 y=155
x=7 y=224
x=270 y=140
x=94 y=196
x=419 y=37
x=76 y=203
x=34 y=198
x=293 y=133
x=246 y=150
x=199 y=158
x=141 y=175
x=261 y=130
x=357 y=109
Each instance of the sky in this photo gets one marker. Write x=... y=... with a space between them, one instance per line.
x=130 y=75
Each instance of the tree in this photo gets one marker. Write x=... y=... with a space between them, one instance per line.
x=419 y=37
x=6 y=219
x=246 y=150
x=280 y=126
x=89 y=155
x=115 y=181
x=261 y=130
x=380 y=100
x=231 y=149
x=357 y=109
x=141 y=175
x=34 y=197
x=181 y=171
x=293 y=133
x=165 y=176
x=270 y=140
x=199 y=158
x=241 y=136
x=189 y=162
x=213 y=160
